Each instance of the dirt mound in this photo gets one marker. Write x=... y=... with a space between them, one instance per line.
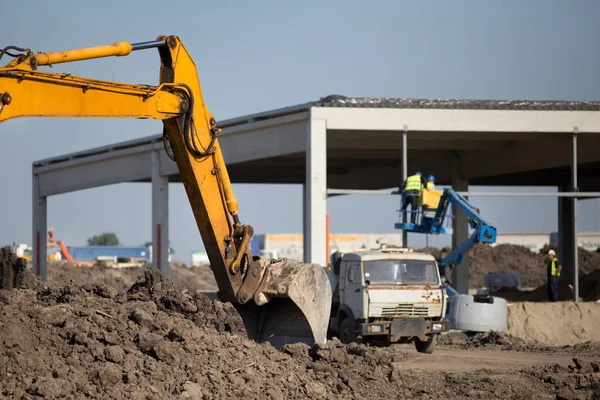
x=589 y=290
x=508 y=258
x=195 y=278
x=159 y=341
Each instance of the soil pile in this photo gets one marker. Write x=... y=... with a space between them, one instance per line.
x=159 y=341
x=508 y=258
x=589 y=290
x=195 y=278
x=156 y=341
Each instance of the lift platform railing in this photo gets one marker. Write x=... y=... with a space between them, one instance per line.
x=424 y=221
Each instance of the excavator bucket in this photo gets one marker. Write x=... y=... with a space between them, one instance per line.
x=297 y=308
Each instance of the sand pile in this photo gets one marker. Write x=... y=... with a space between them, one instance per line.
x=555 y=324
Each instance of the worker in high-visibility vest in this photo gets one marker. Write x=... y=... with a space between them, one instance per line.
x=553 y=269
x=430 y=182
x=411 y=190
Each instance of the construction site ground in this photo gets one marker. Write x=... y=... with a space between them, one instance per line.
x=133 y=334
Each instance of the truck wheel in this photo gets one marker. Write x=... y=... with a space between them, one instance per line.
x=426 y=346
x=347 y=331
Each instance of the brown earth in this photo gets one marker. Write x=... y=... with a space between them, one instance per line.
x=589 y=290
x=555 y=324
x=507 y=342
x=483 y=259
x=159 y=341
x=508 y=258
x=196 y=278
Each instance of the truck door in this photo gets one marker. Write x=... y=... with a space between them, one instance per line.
x=354 y=291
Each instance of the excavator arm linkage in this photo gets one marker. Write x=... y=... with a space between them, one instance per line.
x=279 y=300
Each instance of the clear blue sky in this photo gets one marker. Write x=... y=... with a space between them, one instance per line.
x=256 y=56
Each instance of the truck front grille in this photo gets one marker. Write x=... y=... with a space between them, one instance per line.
x=411 y=310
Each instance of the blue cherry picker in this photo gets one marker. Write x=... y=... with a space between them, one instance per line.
x=433 y=219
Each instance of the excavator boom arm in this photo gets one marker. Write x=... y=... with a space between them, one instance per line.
x=38 y=94
x=249 y=282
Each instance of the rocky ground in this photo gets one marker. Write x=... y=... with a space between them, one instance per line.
x=158 y=340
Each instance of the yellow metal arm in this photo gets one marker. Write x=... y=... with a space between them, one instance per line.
x=189 y=127
x=247 y=281
x=38 y=94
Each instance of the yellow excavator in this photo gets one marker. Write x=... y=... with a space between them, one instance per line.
x=280 y=301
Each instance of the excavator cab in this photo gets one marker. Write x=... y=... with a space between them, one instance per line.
x=280 y=301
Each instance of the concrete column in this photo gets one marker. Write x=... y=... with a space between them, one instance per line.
x=460 y=227
x=315 y=203
x=160 y=217
x=404 y=176
x=39 y=230
x=566 y=236
x=305 y=222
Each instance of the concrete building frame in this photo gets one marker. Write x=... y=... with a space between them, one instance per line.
x=356 y=143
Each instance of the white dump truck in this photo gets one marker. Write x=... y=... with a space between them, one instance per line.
x=387 y=295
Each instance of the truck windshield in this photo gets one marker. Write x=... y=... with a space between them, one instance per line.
x=400 y=272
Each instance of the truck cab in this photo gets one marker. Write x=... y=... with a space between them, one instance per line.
x=387 y=295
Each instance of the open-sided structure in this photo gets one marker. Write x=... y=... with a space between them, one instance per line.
x=357 y=143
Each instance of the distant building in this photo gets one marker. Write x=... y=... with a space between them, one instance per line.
x=199 y=259
x=109 y=253
x=291 y=245
x=533 y=241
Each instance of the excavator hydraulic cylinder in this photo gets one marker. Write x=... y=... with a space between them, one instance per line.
x=118 y=49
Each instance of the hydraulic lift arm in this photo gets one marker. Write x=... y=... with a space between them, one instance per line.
x=269 y=294
x=483 y=231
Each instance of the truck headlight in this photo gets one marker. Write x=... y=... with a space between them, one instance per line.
x=376 y=328
x=436 y=327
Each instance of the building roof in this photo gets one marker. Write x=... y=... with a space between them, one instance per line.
x=484 y=140
x=456 y=104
